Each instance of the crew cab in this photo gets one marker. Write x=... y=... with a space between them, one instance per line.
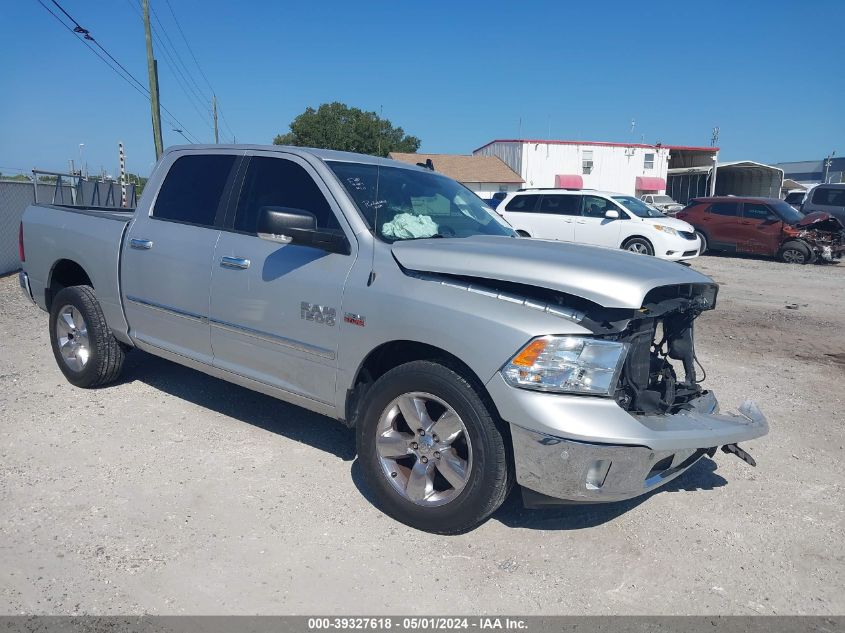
x=765 y=226
x=392 y=299
x=599 y=218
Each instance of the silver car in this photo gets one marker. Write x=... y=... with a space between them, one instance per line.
x=829 y=198
x=662 y=202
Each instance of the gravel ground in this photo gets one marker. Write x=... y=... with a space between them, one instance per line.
x=173 y=492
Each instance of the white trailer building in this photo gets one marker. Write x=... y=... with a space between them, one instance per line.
x=629 y=168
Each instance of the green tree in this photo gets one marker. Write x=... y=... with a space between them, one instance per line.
x=16 y=177
x=337 y=126
x=140 y=182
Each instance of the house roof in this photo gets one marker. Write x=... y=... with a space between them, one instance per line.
x=464 y=168
x=711 y=150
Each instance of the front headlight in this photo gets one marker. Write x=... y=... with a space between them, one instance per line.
x=567 y=364
x=665 y=229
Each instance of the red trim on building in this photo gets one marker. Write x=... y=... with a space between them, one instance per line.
x=711 y=150
x=650 y=183
x=569 y=181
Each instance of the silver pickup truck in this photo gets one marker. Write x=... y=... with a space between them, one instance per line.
x=391 y=298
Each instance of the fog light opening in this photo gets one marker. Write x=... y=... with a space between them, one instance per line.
x=597 y=474
x=660 y=467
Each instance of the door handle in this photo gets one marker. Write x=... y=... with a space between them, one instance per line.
x=140 y=244
x=238 y=263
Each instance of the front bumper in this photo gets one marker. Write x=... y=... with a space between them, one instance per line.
x=630 y=458
x=676 y=248
x=831 y=253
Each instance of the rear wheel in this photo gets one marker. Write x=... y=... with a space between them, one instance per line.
x=431 y=449
x=795 y=252
x=83 y=345
x=638 y=245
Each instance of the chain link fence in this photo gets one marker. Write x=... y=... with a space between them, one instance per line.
x=16 y=196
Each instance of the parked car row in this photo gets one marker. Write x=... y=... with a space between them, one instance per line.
x=765 y=226
x=760 y=226
x=599 y=218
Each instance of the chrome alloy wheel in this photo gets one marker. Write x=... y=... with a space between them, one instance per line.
x=424 y=449
x=638 y=247
x=72 y=338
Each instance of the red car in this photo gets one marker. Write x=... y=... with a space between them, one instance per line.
x=764 y=226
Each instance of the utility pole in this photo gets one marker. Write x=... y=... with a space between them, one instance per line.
x=827 y=163
x=214 y=111
x=152 y=68
x=122 y=160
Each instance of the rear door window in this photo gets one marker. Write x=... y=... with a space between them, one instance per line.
x=725 y=208
x=192 y=189
x=523 y=204
x=560 y=205
x=757 y=211
x=829 y=196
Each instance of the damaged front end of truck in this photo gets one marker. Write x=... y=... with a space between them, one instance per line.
x=605 y=401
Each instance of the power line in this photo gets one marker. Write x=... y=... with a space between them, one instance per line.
x=84 y=36
x=196 y=88
x=172 y=63
x=194 y=57
x=190 y=50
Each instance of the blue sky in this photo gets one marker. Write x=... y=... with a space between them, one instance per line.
x=770 y=74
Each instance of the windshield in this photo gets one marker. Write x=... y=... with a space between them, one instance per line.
x=406 y=204
x=664 y=200
x=787 y=213
x=638 y=207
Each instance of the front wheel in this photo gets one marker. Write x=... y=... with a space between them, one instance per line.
x=638 y=245
x=431 y=449
x=795 y=252
x=85 y=349
x=703 y=241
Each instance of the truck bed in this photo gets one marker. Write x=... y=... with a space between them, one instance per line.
x=109 y=213
x=90 y=236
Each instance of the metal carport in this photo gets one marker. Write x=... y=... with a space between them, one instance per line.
x=739 y=178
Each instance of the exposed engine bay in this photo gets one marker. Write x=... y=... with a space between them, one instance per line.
x=823 y=234
x=649 y=383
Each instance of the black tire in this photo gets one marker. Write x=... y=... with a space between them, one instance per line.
x=639 y=243
x=795 y=252
x=522 y=233
x=490 y=477
x=703 y=238
x=105 y=353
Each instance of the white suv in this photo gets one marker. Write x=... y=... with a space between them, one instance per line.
x=599 y=218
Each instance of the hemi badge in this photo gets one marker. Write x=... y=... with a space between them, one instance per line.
x=354 y=319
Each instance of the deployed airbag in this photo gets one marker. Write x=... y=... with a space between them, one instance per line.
x=406 y=226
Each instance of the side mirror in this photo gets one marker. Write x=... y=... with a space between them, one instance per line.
x=611 y=214
x=284 y=225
